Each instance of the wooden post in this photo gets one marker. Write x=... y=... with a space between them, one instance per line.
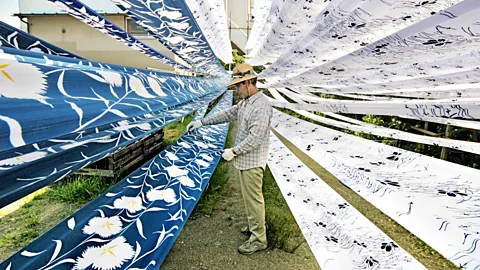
x=444 y=153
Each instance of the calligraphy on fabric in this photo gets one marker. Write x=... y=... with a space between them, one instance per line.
x=339 y=236
x=135 y=223
x=300 y=98
x=211 y=19
x=17 y=39
x=90 y=17
x=285 y=30
x=261 y=12
x=434 y=199
x=68 y=98
x=367 y=128
x=172 y=23
x=26 y=169
x=438 y=38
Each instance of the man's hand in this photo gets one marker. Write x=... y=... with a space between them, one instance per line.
x=228 y=154
x=194 y=125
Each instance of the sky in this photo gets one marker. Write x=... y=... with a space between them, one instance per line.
x=7 y=8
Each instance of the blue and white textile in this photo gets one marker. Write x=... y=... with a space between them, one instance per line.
x=173 y=24
x=135 y=223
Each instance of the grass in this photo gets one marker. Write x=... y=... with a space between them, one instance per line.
x=282 y=229
x=174 y=131
x=47 y=209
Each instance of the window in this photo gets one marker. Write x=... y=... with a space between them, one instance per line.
x=134 y=29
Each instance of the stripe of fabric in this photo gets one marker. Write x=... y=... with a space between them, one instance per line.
x=339 y=236
x=434 y=199
x=136 y=222
x=172 y=23
x=346 y=26
x=26 y=169
x=65 y=98
x=212 y=20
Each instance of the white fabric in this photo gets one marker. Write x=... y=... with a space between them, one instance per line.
x=339 y=236
x=367 y=128
x=212 y=20
x=348 y=25
x=434 y=199
x=293 y=21
x=446 y=121
x=261 y=13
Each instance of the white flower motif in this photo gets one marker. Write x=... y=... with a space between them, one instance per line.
x=172 y=15
x=200 y=144
x=137 y=85
x=186 y=181
x=187 y=50
x=113 y=78
x=148 y=115
x=156 y=87
x=23 y=158
x=209 y=138
x=211 y=145
x=171 y=156
x=132 y=204
x=174 y=40
x=167 y=195
x=185 y=145
x=179 y=26
x=21 y=80
x=144 y=126
x=191 y=43
x=202 y=163
x=107 y=257
x=175 y=171
x=206 y=157
x=123 y=123
x=103 y=226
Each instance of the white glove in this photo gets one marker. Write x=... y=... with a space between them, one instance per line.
x=194 y=125
x=228 y=154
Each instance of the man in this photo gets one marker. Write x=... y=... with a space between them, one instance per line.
x=253 y=114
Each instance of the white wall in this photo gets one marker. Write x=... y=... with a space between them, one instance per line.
x=30 y=6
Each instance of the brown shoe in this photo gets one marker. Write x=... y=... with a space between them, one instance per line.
x=250 y=247
x=245 y=230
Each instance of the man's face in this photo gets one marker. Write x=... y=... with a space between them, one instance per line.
x=242 y=89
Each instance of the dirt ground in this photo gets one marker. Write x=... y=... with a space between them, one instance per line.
x=210 y=242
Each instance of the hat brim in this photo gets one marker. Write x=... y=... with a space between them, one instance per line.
x=239 y=80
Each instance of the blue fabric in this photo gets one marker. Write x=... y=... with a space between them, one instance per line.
x=136 y=222
x=173 y=24
x=17 y=39
x=87 y=15
x=69 y=98
x=50 y=160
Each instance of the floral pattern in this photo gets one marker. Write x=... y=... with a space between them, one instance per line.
x=173 y=24
x=138 y=219
x=112 y=108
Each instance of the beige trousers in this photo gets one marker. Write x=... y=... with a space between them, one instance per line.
x=251 y=184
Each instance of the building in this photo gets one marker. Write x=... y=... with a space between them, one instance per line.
x=44 y=20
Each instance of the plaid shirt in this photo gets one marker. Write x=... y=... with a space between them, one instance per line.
x=253 y=115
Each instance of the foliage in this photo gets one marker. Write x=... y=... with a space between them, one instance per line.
x=80 y=190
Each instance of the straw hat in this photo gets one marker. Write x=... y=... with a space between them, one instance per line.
x=242 y=72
